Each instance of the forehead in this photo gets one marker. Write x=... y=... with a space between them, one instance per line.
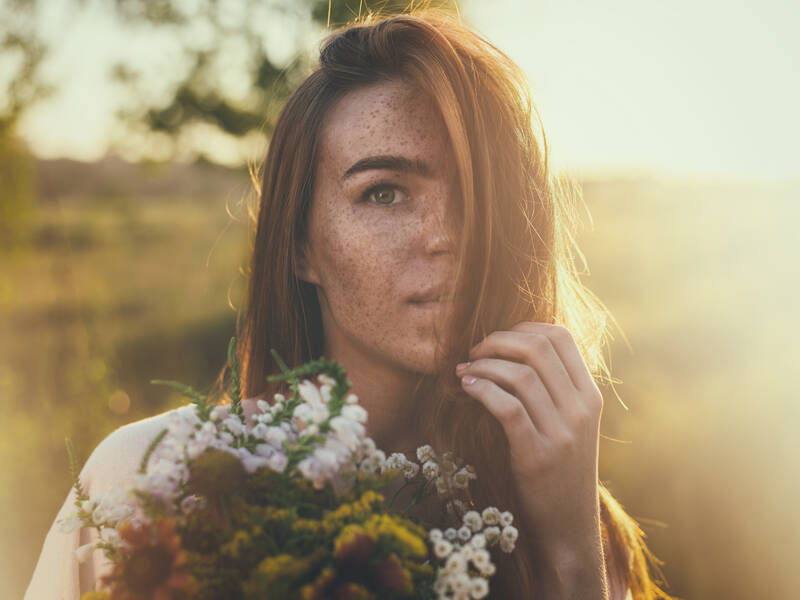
x=390 y=117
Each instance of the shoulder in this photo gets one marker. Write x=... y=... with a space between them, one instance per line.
x=118 y=455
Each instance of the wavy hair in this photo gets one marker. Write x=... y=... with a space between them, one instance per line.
x=516 y=259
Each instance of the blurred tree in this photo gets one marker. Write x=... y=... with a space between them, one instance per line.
x=228 y=79
x=21 y=54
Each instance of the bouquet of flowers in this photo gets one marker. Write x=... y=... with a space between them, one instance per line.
x=286 y=506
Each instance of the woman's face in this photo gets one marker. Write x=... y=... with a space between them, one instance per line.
x=382 y=227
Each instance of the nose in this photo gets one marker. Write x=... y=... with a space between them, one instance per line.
x=440 y=226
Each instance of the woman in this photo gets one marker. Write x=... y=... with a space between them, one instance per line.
x=414 y=226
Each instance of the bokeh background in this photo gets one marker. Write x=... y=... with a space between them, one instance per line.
x=126 y=127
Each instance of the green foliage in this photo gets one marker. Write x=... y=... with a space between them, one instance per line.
x=200 y=97
x=17 y=197
x=80 y=493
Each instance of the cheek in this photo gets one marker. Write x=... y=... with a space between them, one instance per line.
x=362 y=264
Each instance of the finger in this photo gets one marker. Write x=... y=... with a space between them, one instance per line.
x=507 y=409
x=524 y=382
x=564 y=343
x=533 y=349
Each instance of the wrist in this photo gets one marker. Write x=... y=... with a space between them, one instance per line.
x=573 y=573
x=572 y=567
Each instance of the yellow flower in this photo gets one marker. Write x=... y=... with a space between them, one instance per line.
x=319 y=588
x=386 y=525
x=282 y=566
x=306 y=526
x=234 y=547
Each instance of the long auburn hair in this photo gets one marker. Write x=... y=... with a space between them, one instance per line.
x=515 y=261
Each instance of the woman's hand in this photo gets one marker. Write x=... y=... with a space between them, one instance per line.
x=535 y=382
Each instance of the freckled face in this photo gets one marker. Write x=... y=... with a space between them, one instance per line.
x=382 y=226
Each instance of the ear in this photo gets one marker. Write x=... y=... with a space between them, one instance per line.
x=304 y=269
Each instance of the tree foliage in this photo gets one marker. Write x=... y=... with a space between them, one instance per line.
x=22 y=52
x=233 y=37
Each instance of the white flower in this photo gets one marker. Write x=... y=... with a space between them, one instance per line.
x=481 y=559
x=348 y=432
x=464 y=533
x=410 y=470
x=396 y=460
x=275 y=436
x=456 y=563
x=343 y=453
x=435 y=535
x=473 y=520
x=425 y=453
x=84 y=552
x=467 y=552
x=442 y=548
x=325 y=392
x=506 y=518
x=478 y=541
x=263 y=406
x=312 y=470
x=326 y=379
x=478 y=588
x=460 y=583
x=68 y=525
x=450 y=534
x=492 y=534
x=510 y=533
x=278 y=461
x=190 y=504
x=506 y=545
x=440 y=585
x=368 y=466
x=252 y=462
x=463 y=476
x=109 y=535
x=430 y=470
x=310 y=430
x=351 y=399
x=112 y=506
x=491 y=515
x=327 y=457
x=219 y=412
x=310 y=393
x=354 y=412
x=259 y=431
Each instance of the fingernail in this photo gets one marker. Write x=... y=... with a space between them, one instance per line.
x=468 y=379
x=462 y=366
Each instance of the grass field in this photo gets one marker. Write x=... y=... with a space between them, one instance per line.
x=120 y=288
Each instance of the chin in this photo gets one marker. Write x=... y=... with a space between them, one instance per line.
x=424 y=359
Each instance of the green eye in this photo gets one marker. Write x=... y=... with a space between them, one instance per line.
x=382 y=195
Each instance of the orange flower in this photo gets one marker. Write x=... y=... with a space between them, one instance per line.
x=392 y=575
x=153 y=567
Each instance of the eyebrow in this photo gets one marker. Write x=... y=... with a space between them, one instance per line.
x=391 y=162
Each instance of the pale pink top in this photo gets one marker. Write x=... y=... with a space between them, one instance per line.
x=58 y=574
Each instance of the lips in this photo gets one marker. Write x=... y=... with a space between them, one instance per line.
x=432 y=294
x=431 y=299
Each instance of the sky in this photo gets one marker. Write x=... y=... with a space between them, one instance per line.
x=704 y=87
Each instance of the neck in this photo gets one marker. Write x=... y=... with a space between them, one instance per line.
x=389 y=399
x=386 y=392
